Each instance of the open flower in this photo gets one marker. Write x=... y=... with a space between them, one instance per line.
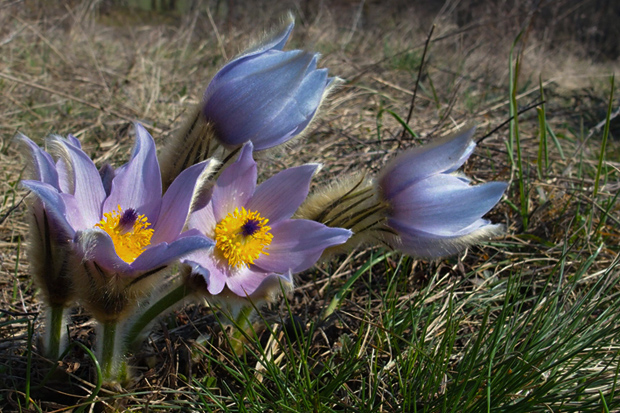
x=121 y=228
x=256 y=241
x=266 y=96
x=435 y=211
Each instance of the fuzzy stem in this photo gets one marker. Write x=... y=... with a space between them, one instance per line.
x=242 y=325
x=108 y=359
x=55 y=326
x=152 y=312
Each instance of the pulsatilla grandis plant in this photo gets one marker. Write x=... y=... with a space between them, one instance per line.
x=131 y=243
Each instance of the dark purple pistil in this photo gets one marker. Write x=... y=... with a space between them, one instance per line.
x=250 y=227
x=129 y=217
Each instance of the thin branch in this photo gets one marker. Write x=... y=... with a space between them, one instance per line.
x=417 y=82
x=507 y=121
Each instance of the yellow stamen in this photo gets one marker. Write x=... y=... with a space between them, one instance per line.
x=242 y=236
x=128 y=231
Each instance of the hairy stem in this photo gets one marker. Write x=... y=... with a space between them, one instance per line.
x=108 y=358
x=55 y=326
x=174 y=296
x=242 y=324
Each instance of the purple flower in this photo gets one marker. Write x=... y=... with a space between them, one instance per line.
x=49 y=244
x=434 y=211
x=256 y=241
x=265 y=96
x=119 y=225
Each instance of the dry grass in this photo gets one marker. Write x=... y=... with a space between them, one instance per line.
x=90 y=70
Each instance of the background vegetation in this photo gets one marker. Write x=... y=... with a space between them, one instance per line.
x=525 y=323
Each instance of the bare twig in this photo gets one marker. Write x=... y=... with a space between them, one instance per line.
x=417 y=82
x=507 y=121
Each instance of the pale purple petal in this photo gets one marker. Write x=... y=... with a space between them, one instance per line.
x=248 y=103
x=273 y=283
x=87 y=187
x=74 y=141
x=74 y=213
x=203 y=219
x=295 y=113
x=97 y=246
x=279 y=197
x=235 y=185
x=163 y=254
x=276 y=42
x=175 y=204
x=293 y=65
x=52 y=203
x=297 y=244
x=247 y=282
x=65 y=181
x=43 y=166
x=214 y=270
x=439 y=156
x=444 y=204
x=138 y=184
x=427 y=245
x=192 y=233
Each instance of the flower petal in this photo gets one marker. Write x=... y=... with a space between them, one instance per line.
x=214 y=271
x=86 y=182
x=65 y=182
x=248 y=283
x=73 y=212
x=271 y=286
x=235 y=185
x=43 y=166
x=137 y=185
x=296 y=112
x=422 y=244
x=297 y=245
x=276 y=42
x=279 y=197
x=203 y=219
x=176 y=202
x=97 y=246
x=74 y=141
x=444 y=204
x=246 y=103
x=164 y=253
x=440 y=156
x=52 y=203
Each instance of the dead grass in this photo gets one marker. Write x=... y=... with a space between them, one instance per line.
x=91 y=71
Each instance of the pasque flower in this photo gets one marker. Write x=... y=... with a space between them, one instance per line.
x=434 y=210
x=118 y=224
x=266 y=96
x=49 y=247
x=257 y=242
x=49 y=243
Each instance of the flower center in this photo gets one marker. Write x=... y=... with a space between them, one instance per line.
x=129 y=232
x=242 y=236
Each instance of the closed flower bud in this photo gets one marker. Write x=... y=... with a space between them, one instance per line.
x=417 y=205
x=434 y=211
x=266 y=95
